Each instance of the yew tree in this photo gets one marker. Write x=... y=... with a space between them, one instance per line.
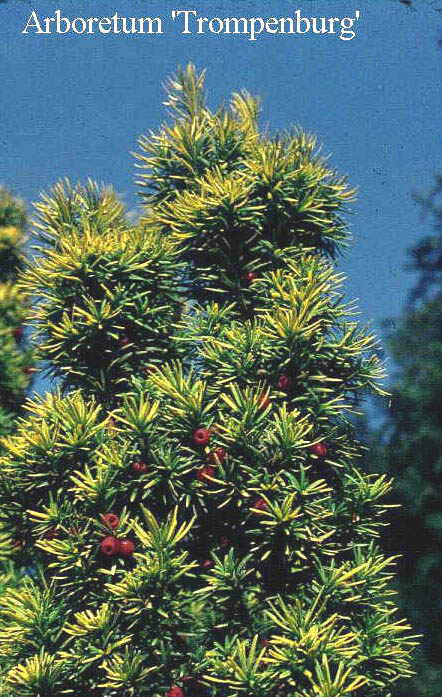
x=189 y=501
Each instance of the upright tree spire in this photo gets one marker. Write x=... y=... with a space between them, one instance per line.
x=202 y=527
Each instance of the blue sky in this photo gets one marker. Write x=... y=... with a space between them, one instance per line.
x=74 y=106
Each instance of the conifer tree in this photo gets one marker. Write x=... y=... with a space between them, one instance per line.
x=15 y=362
x=409 y=448
x=190 y=500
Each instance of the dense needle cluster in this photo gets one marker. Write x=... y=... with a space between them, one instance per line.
x=191 y=507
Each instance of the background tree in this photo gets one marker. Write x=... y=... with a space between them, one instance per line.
x=192 y=505
x=410 y=449
x=15 y=362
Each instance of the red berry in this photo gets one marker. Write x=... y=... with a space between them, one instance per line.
x=109 y=546
x=217 y=456
x=126 y=548
x=260 y=504
x=17 y=333
x=28 y=370
x=207 y=564
x=124 y=341
x=265 y=643
x=319 y=450
x=224 y=542
x=139 y=467
x=201 y=436
x=175 y=691
x=250 y=276
x=111 y=520
x=205 y=472
x=284 y=383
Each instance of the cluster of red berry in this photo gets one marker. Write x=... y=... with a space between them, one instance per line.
x=112 y=546
x=140 y=467
x=201 y=437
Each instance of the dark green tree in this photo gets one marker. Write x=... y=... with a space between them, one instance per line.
x=410 y=449
x=191 y=502
x=15 y=362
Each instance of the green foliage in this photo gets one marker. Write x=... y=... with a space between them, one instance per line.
x=14 y=361
x=409 y=447
x=255 y=568
x=233 y=197
x=12 y=226
x=105 y=293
